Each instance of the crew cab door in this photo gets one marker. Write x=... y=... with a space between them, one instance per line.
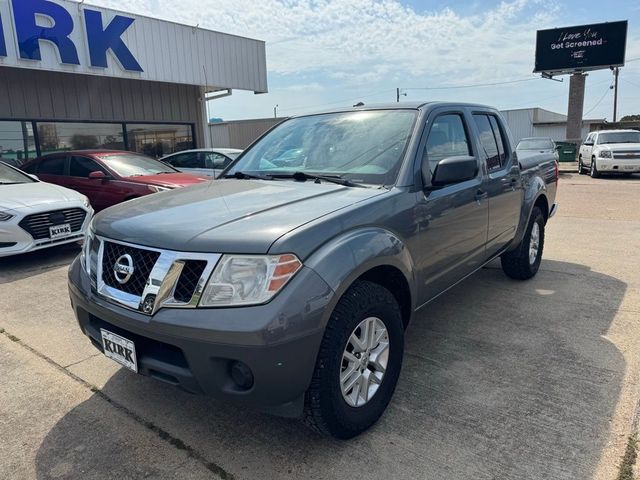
x=587 y=148
x=451 y=220
x=503 y=181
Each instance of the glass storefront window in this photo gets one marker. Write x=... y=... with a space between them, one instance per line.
x=159 y=140
x=16 y=142
x=63 y=136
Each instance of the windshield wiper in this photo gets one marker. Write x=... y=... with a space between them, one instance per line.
x=244 y=175
x=302 y=176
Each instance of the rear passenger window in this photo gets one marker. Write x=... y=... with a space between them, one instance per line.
x=447 y=138
x=219 y=161
x=186 y=160
x=52 y=166
x=491 y=140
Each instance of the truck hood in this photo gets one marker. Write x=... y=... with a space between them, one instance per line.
x=225 y=216
x=24 y=195
x=620 y=147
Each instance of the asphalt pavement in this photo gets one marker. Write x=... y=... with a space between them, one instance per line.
x=501 y=380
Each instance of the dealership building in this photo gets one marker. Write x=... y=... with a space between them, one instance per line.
x=74 y=76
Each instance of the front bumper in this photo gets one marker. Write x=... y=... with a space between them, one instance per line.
x=195 y=348
x=618 y=165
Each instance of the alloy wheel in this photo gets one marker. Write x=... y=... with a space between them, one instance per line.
x=364 y=362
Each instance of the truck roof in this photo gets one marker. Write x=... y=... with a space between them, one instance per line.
x=414 y=105
x=620 y=130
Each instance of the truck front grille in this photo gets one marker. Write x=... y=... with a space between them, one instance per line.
x=627 y=155
x=188 y=281
x=37 y=225
x=143 y=263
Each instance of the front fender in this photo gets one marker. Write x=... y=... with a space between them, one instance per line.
x=534 y=188
x=345 y=258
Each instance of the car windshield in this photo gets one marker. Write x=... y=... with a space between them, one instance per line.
x=11 y=176
x=363 y=147
x=619 y=137
x=535 y=144
x=134 y=165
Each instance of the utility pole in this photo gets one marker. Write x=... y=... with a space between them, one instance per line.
x=275 y=111
x=398 y=95
x=616 y=72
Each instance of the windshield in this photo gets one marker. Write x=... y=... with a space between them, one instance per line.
x=535 y=144
x=134 y=165
x=11 y=176
x=363 y=147
x=619 y=137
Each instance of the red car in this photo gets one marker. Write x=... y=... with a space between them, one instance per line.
x=108 y=177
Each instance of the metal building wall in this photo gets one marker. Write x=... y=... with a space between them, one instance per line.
x=166 y=51
x=32 y=95
x=240 y=133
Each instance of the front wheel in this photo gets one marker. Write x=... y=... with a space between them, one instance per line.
x=358 y=364
x=523 y=262
x=593 y=172
x=580 y=166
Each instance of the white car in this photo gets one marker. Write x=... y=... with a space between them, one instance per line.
x=203 y=161
x=36 y=215
x=610 y=151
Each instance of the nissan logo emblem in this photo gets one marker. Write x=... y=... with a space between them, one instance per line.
x=123 y=269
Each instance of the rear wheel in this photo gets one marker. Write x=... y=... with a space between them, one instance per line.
x=358 y=364
x=593 y=172
x=524 y=262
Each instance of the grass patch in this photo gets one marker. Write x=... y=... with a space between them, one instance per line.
x=629 y=459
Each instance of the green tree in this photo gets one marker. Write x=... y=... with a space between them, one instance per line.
x=630 y=118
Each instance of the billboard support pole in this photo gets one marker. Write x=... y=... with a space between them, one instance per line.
x=576 y=107
x=616 y=72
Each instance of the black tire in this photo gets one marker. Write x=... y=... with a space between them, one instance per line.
x=516 y=263
x=593 y=171
x=580 y=166
x=326 y=410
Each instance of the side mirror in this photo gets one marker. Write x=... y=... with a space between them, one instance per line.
x=35 y=177
x=588 y=144
x=97 y=175
x=454 y=170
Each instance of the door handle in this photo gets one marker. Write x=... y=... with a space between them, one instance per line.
x=480 y=195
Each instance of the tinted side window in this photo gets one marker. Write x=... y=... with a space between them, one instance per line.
x=52 y=166
x=82 y=167
x=447 y=138
x=219 y=161
x=488 y=141
x=31 y=168
x=502 y=146
x=185 y=160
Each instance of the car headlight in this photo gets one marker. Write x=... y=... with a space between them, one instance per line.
x=248 y=279
x=604 y=154
x=4 y=216
x=157 y=188
x=86 y=202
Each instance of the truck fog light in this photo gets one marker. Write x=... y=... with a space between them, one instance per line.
x=242 y=375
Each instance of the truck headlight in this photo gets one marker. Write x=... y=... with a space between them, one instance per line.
x=248 y=279
x=604 y=154
x=89 y=237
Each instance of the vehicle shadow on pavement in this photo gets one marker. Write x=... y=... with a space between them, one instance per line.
x=502 y=379
x=19 y=267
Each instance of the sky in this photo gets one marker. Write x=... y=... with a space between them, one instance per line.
x=331 y=53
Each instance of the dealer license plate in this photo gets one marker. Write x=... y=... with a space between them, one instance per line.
x=120 y=349
x=59 y=231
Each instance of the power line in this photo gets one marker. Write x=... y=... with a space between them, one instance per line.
x=451 y=87
x=339 y=101
x=599 y=101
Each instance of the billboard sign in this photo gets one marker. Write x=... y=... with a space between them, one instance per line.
x=581 y=48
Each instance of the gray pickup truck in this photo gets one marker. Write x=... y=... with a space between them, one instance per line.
x=288 y=284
